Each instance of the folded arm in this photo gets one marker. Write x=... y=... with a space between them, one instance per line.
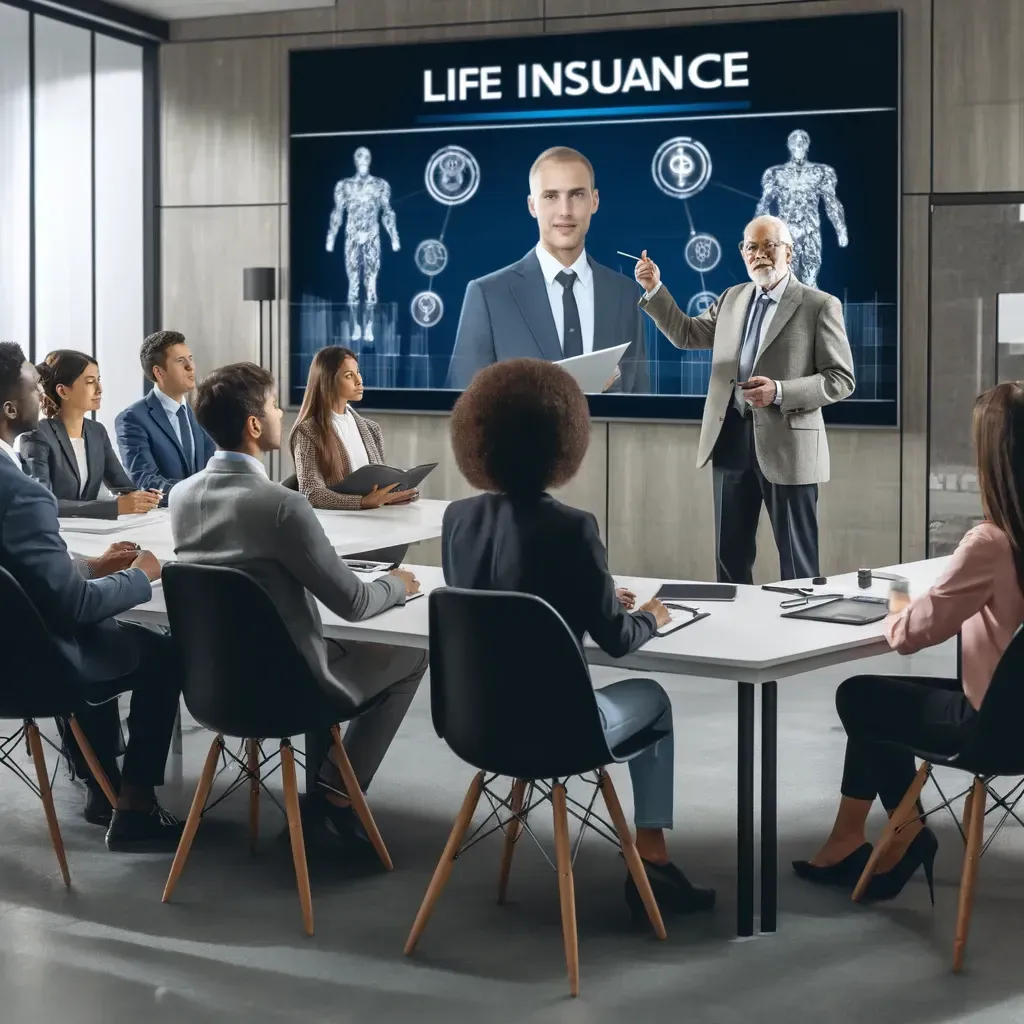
x=308 y=555
x=962 y=591
x=616 y=631
x=137 y=454
x=833 y=359
x=311 y=481
x=52 y=579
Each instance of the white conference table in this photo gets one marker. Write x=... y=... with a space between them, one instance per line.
x=349 y=532
x=746 y=642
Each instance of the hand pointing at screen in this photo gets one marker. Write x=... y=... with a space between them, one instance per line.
x=646 y=273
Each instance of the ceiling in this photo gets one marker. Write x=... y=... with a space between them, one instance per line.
x=171 y=10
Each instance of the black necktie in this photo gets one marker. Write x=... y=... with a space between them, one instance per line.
x=186 y=439
x=572 y=332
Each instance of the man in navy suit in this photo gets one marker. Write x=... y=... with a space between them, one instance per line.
x=158 y=436
x=556 y=302
x=78 y=602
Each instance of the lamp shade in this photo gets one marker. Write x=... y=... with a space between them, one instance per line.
x=259 y=284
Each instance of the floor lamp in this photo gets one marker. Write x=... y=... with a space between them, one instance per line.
x=259 y=285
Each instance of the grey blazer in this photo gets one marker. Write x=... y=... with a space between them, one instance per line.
x=50 y=459
x=506 y=315
x=805 y=348
x=231 y=514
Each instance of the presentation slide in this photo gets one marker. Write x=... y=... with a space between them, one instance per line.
x=409 y=181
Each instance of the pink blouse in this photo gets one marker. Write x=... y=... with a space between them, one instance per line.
x=978 y=595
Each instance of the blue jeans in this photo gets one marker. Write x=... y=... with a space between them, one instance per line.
x=630 y=707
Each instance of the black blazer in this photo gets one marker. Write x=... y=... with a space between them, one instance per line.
x=50 y=459
x=545 y=548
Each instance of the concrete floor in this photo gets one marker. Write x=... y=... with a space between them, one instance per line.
x=231 y=947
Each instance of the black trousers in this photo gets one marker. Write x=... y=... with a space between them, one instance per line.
x=926 y=713
x=155 y=687
x=740 y=488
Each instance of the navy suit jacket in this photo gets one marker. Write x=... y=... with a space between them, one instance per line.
x=150 y=449
x=78 y=612
x=507 y=315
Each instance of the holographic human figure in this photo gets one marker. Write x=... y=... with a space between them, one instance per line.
x=368 y=201
x=796 y=188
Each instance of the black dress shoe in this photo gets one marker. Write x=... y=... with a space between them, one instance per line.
x=152 y=831
x=844 y=873
x=673 y=892
x=920 y=853
x=97 y=807
x=341 y=824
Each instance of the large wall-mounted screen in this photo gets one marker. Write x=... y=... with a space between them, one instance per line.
x=409 y=180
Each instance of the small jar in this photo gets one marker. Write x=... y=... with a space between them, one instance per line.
x=899 y=595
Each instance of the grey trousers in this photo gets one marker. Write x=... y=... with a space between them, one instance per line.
x=373 y=669
x=629 y=707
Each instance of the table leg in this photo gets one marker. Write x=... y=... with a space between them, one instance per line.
x=769 y=807
x=745 y=812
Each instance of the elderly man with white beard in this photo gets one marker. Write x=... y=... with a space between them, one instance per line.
x=780 y=355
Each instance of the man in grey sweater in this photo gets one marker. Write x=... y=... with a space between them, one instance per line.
x=232 y=514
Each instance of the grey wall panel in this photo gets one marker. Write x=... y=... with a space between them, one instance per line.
x=914 y=375
x=979 y=96
x=221 y=123
x=238 y=26
x=203 y=254
x=604 y=15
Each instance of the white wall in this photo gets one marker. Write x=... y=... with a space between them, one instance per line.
x=14 y=176
x=120 y=259
x=72 y=172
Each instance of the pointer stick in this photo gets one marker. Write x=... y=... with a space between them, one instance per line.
x=619 y=252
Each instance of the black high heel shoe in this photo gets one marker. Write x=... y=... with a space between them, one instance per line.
x=920 y=853
x=845 y=873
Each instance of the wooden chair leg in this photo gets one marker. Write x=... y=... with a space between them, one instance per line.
x=359 y=805
x=195 y=815
x=90 y=759
x=512 y=830
x=632 y=858
x=35 y=746
x=444 y=866
x=252 y=749
x=974 y=817
x=566 y=892
x=906 y=810
x=291 y=806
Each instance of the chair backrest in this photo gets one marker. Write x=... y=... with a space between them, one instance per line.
x=291 y=482
x=243 y=674
x=509 y=688
x=996 y=744
x=36 y=680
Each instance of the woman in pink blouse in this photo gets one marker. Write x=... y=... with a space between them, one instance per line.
x=979 y=596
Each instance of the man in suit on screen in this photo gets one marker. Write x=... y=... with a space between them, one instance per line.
x=780 y=355
x=556 y=302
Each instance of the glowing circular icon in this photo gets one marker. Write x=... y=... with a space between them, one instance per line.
x=431 y=257
x=681 y=167
x=703 y=253
x=427 y=308
x=700 y=303
x=452 y=176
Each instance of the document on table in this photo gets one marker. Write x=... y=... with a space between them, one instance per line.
x=82 y=524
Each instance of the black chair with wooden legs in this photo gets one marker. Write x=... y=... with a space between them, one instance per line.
x=246 y=679
x=993 y=750
x=510 y=693
x=37 y=681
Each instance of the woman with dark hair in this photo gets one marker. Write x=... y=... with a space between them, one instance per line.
x=330 y=439
x=520 y=428
x=979 y=595
x=71 y=454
